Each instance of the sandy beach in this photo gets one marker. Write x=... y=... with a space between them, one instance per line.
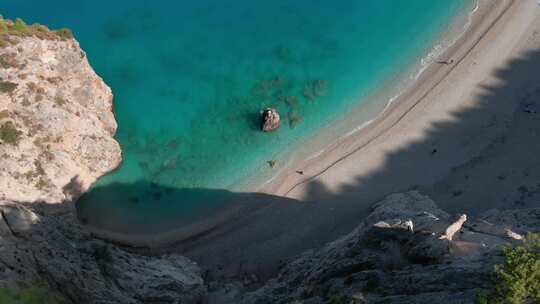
x=464 y=133
x=443 y=137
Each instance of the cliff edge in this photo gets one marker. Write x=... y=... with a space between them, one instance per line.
x=56 y=139
x=406 y=251
x=56 y=117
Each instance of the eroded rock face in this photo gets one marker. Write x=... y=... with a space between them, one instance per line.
x=56 y=139
x=57 y=119
x=270 y=120
x=406 y=251
x=44 y=243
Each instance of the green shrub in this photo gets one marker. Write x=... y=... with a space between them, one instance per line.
x=28 y=296
x=64 y=33
x=19 y=26
x=3 y=27
x=7 y=87
x=20 y=29
x=517 y=280
x=9 y=134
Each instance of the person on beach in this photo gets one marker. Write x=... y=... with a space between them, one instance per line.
x=446 y=62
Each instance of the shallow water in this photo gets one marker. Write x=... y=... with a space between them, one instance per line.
x=191 y=77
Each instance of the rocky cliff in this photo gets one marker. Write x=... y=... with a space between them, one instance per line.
x=44 y=244
x=56 y=118
x=406 y=251
x=56 y=139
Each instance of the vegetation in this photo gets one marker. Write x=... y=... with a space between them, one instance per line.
x=28 y=296
x=19 y=28
x=7 y=87
x=64 y=33
x=9 y=134
x=8 y=60
x=59 y=100
x=517 y=280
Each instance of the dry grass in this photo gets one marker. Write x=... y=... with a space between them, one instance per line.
x=11 y=29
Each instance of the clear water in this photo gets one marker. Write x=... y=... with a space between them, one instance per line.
x=191 y=77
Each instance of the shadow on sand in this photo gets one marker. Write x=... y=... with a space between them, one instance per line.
x=275 y=228
x=260 y=240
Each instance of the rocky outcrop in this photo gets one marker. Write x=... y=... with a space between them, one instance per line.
x=56 y=120
x=44 y=243
x=406 y=251
x=270 y=120
x=56 y=139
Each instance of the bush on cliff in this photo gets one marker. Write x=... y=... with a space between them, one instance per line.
x=9 y=134
x=20 y=29
x=28 y=296
x=517 y=280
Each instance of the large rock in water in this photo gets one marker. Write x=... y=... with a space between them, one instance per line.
x=56 y=119
x=270 y=120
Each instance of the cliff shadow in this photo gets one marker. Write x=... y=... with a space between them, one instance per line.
x=481 y=157
x=137 y=211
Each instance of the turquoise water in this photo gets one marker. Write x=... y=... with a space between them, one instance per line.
x=190 y=78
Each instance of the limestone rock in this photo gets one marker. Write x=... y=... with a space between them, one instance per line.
x=454 y=227
x=58 y=119
x=56 y=139
x=406 y=251
x=55 y=250
x=270 y=120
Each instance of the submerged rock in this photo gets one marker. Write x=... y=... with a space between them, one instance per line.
x=270 y=120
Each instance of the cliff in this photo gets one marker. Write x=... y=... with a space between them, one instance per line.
x=56 y=118
x=56 y=140
x=406 y=251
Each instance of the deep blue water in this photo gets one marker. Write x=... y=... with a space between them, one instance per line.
x=190 y=78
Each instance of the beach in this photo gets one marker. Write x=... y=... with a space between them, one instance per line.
x=433 y=137
x=416 y=179
x=455 y=123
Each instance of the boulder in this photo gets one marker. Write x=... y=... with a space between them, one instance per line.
x=270 y=120
x=406 y=251
x=45 y=243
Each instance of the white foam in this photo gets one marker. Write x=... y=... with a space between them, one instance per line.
x=436 y=51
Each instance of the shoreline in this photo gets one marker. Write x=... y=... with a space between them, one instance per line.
x=286 y=183
x=376 y=104
x=465 y=140
x=395 y=110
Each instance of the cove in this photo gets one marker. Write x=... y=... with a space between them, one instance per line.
x=191 y=77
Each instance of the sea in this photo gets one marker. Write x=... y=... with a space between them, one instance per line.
x=190 y=79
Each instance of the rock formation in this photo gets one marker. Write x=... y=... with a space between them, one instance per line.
x=56 y=139
x=44 y=243
x=385 y=261
x=57 y=120
x=269 y=120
